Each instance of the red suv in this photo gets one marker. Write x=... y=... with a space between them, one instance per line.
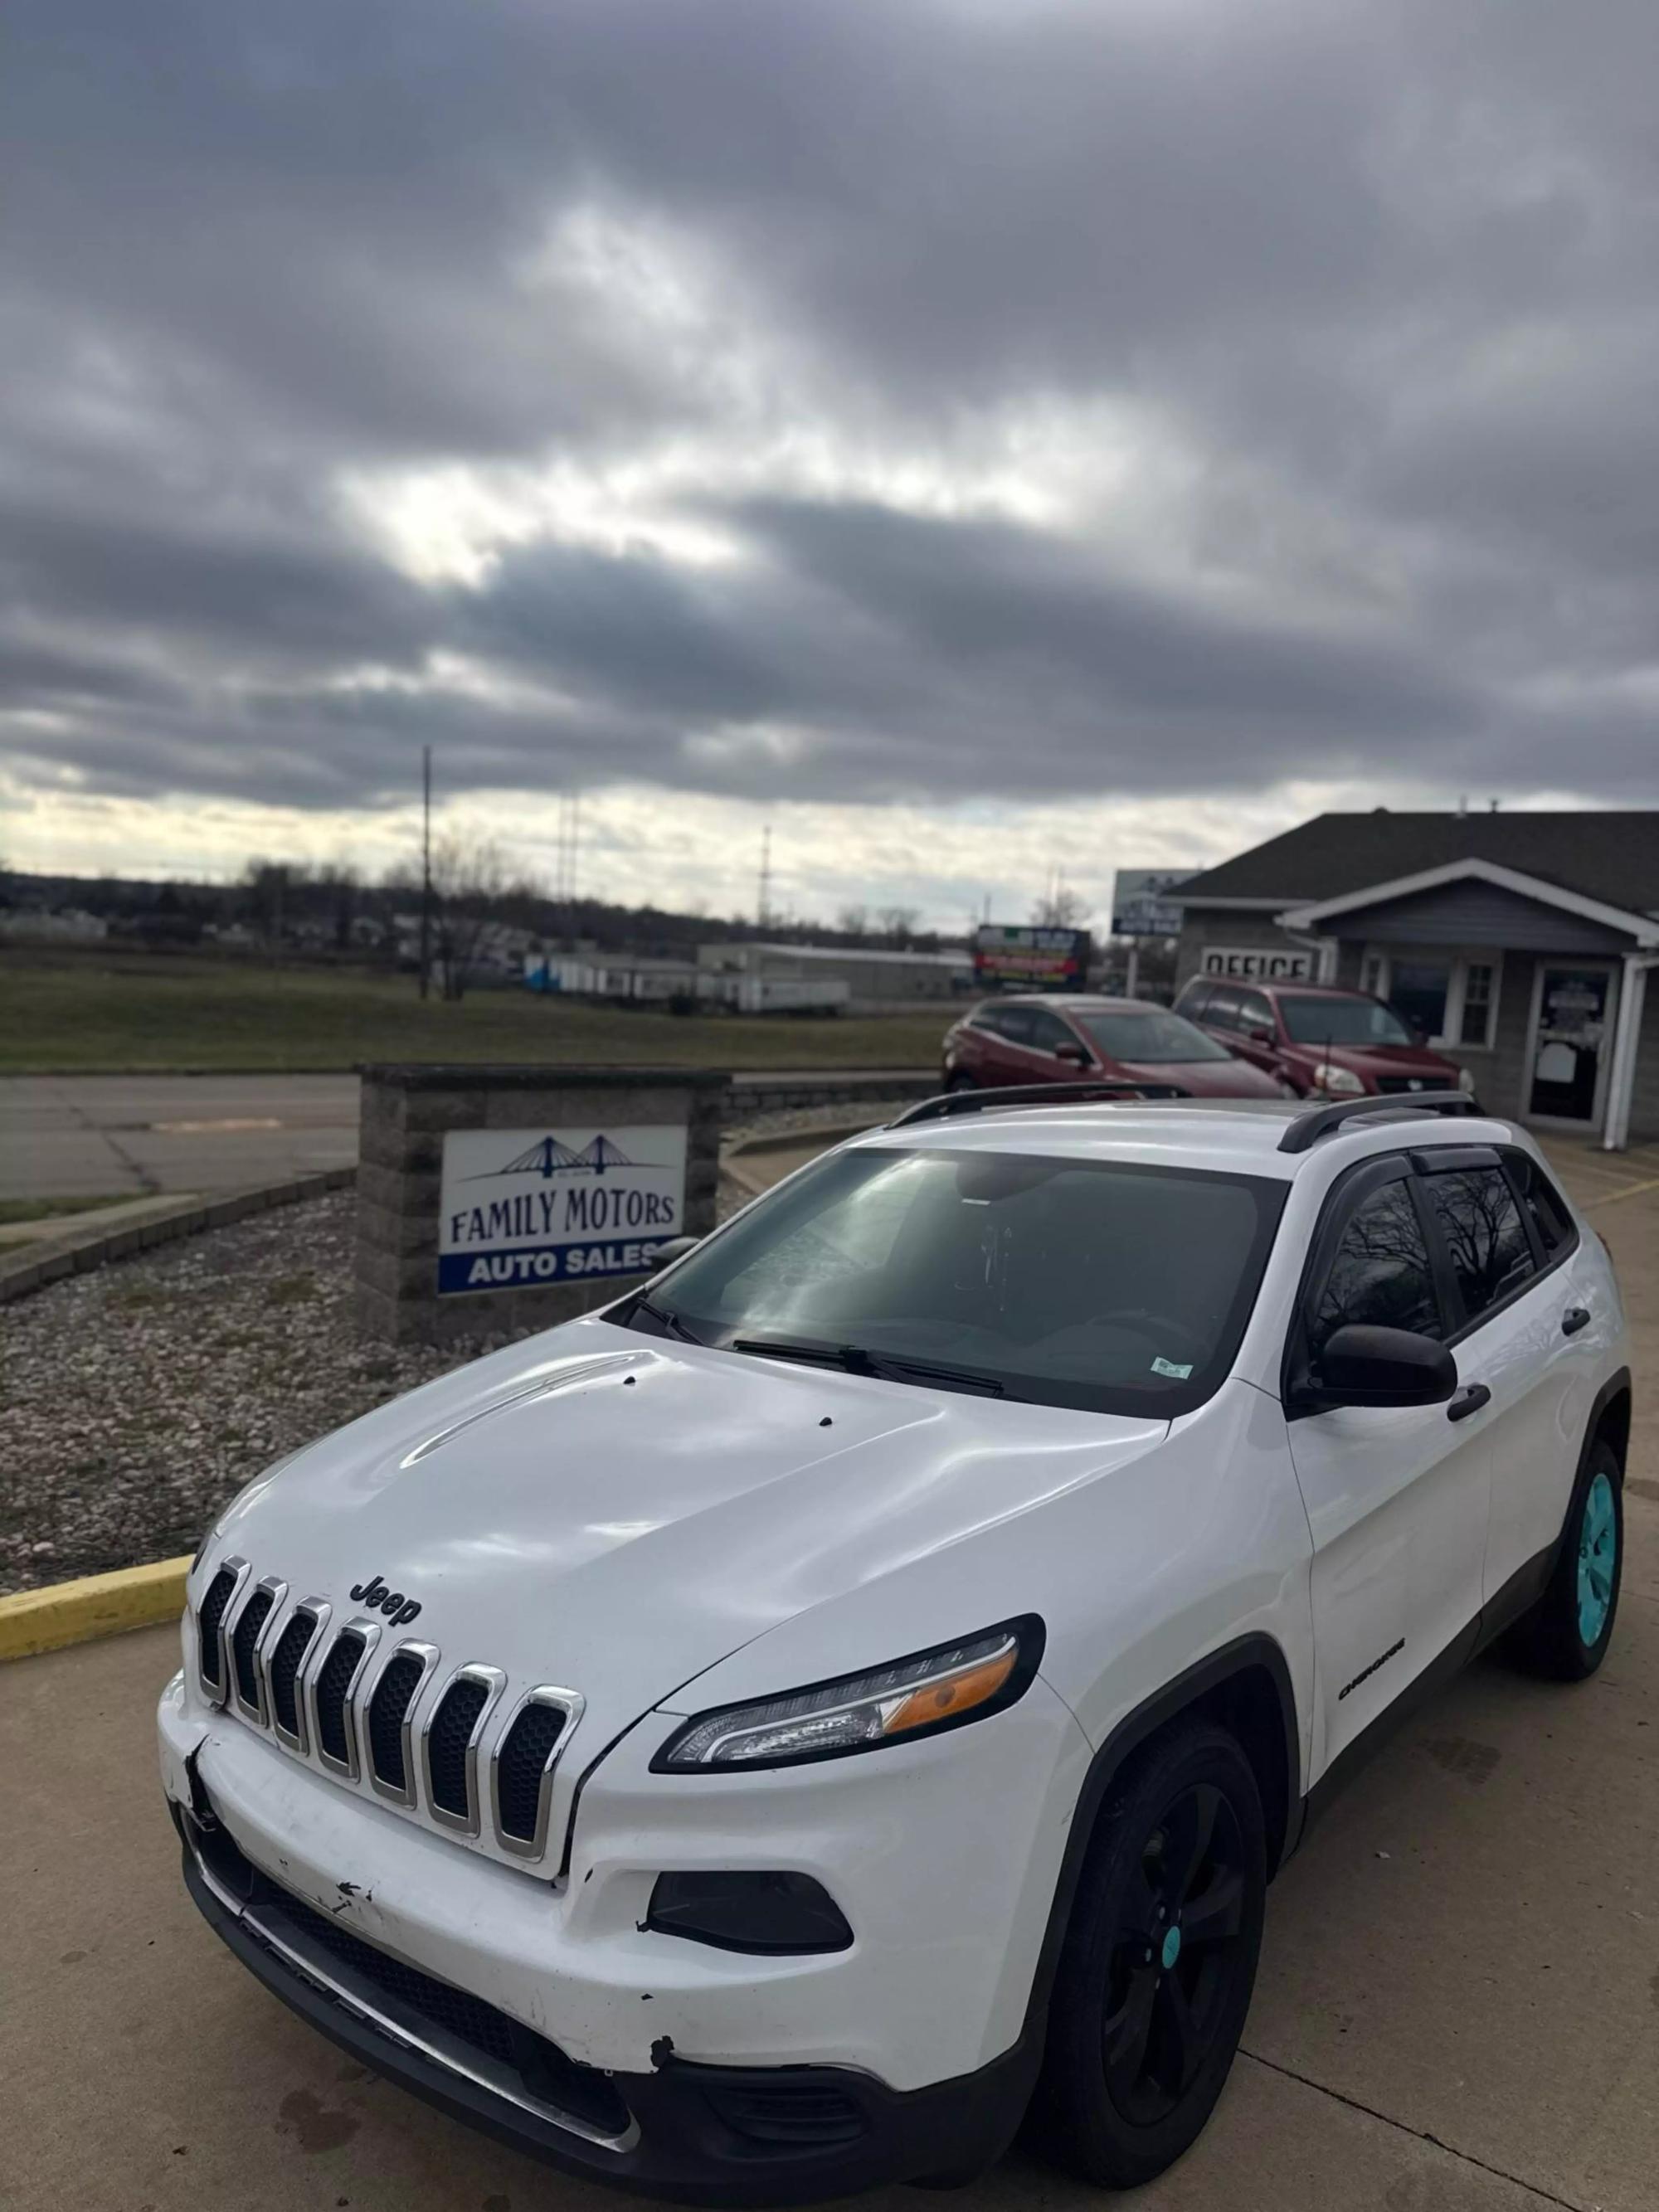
x=1336 y=1043
x=1044 y=1039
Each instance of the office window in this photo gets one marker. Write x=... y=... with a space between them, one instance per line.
x=1450 y=997
x=1475 y=1020
x=1418 y=990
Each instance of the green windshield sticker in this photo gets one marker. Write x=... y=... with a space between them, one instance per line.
x=1169 y=1367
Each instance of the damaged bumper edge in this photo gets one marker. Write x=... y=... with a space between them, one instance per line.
x=696 y=2133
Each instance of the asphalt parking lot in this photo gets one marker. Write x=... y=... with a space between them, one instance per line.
x=1458 y=2005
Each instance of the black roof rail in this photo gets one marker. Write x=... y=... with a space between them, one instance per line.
x=949 y=1104
x=1308 y=1128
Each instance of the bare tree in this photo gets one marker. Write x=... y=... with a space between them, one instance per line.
x=853 y=921
x=1061 y=907
x=341 y=885
x=469 y=883
x=898 y=925
x=267 y=884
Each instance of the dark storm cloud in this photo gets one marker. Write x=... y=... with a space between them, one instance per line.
x=1386 y=279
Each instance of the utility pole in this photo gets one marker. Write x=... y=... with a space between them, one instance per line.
x=426 y=868
x=564 y=880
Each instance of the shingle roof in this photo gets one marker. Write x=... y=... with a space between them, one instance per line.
x=1611 y=857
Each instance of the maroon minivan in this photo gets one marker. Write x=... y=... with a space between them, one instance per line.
x=1041 y=1038
x=1320 y=1040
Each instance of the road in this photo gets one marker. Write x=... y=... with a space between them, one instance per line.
x=128 y=1136
x=81 y=1136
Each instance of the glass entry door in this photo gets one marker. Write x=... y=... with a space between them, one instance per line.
x=1570 y=1041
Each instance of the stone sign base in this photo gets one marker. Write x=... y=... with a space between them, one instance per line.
x=407 y=1112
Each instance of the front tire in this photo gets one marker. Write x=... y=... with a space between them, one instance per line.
x=1158 y=1962
x=1566 y=1634
x=961 y=1081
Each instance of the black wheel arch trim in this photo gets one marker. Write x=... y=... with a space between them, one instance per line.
x=1185 y=1694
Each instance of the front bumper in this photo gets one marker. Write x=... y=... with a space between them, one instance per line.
x=699 y=2134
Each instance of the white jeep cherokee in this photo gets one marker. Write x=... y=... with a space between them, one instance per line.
x=742 y=1743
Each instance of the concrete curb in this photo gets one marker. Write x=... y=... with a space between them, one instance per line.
x=785 y=1141
x=45 y=1619
x=31 y=1267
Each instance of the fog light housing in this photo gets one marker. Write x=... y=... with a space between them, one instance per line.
x=773 y=1914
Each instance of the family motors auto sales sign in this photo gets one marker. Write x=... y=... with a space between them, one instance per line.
x=525 y=1206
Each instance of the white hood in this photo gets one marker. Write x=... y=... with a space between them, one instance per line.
x=617 y=1513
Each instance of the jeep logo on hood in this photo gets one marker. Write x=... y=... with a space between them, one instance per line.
x=397 y=1609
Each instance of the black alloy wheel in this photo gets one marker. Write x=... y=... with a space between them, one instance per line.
x=1159 y=1960
x=1175 y=1954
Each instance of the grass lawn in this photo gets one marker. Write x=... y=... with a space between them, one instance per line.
x=13 y=1210
x=149 y=1013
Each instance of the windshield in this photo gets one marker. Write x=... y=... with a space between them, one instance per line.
x=1154 y=1035
x=1083 y=1283
x=1342 y=1021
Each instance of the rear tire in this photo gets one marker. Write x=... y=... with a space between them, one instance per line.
x=1158 y=1962
x=1565 y=1636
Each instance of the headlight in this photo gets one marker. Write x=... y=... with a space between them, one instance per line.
x=919 y=1696
x=1341 y=1082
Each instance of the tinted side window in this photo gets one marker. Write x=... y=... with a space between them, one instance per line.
x=1484 y=1236
x=1380 y=1274
x=1255 y=1012
x=1017 y=1024
x=1049 y=1031
x=1191 y=1002
x=988 y=1017
x=1222 y=1013
x=1543 y=1202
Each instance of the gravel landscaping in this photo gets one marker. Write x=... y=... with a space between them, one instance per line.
x=135 y=1400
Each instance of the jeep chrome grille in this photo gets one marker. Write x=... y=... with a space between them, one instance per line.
x=454 y=1744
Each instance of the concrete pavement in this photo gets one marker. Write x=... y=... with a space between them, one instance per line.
x=73 y=1136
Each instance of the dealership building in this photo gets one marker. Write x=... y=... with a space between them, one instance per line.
x=1519 y=945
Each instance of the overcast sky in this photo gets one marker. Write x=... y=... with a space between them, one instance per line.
x=979 y=438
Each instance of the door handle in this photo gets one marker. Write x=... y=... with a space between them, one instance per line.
x=1574 y=1319
x=1469 y=1400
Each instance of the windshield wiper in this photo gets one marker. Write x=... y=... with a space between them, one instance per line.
x=669 y=1324
x=859 y=1359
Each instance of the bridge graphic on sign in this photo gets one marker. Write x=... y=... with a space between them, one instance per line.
x=547 y=1157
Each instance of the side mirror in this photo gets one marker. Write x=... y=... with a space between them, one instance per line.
x=674 y=1249
x=1364 y=1365
x=1074 y=1053
x=1258 y=1035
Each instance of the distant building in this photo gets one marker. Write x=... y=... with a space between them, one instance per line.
x=873 y=978
x=64 y=925
x=1518 y=945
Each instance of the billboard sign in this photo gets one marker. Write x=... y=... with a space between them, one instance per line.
x=1140 y=902
x=521 y=1207
x=1030 y=957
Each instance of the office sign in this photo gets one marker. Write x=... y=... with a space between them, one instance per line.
x=1030 y=957
x=1258 y=964
x=522 y=1207
x=1140 y=902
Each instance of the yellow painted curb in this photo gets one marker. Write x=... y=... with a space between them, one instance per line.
x=98 y=1605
